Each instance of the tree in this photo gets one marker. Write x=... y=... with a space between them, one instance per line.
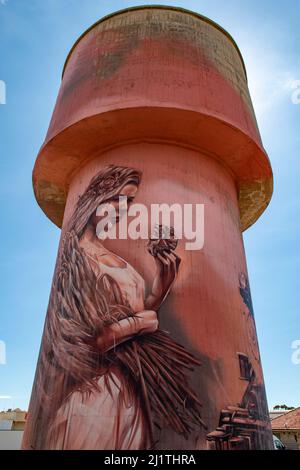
x=283 y=407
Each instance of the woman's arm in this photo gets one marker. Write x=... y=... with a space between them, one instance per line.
x=167 y=265
x=119 y=332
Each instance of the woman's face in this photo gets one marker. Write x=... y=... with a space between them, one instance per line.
x=120 y=203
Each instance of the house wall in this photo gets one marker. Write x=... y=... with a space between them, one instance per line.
x=10 y=440
x=291 y=439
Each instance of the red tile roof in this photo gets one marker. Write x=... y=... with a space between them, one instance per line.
x=290 y=420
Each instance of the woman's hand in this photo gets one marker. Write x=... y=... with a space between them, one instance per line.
x=167 y=265
x=141 y=323
x=147 y=322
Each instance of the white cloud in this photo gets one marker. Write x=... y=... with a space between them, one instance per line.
x=272 y=69
x=271 y=82
x=5 y=397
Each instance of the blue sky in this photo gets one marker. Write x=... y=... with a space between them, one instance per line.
x=35 y=37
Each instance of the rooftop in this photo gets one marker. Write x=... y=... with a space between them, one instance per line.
x=289 y=420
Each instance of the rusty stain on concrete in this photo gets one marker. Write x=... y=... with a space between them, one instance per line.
x=131 y=64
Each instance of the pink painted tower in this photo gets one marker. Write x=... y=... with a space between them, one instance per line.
x=148 y=344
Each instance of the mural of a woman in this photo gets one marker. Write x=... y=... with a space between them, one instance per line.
x=107 y=374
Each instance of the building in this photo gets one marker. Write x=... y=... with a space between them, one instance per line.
x=12 y=424
x=287 y=428
x=153 y=103
x=275 y=414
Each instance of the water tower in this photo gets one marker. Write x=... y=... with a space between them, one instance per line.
x=153 y=103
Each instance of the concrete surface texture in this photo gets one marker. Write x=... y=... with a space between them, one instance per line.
x=162 y=93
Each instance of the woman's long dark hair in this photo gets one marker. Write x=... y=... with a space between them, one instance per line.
x=81 y=305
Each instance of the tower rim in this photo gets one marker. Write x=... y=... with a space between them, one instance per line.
x=158 y=7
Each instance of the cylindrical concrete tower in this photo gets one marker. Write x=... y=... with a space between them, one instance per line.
x=150 y=344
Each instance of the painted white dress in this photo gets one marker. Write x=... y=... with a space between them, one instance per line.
x=105 y=419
